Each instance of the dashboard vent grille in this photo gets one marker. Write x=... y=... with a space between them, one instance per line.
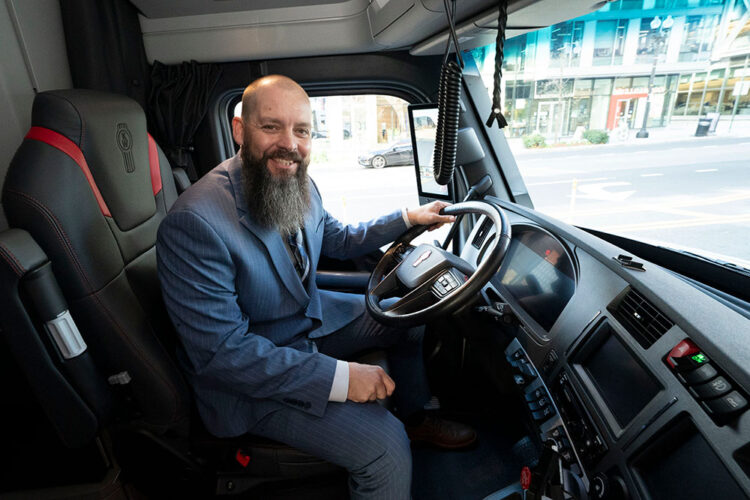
x=643 y=321
x=482 y=233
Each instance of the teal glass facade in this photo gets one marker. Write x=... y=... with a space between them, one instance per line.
x=593 y=72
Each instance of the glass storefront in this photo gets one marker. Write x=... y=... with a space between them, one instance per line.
x=560 y=80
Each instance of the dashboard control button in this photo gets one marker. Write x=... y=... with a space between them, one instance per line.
x=725 y=405
x=541 y=403
x=549 y=361
x=687 y=363
x=543 y=414
x=526 y=369
x=679 y=358
x=600 y=486
x=712 y=389
x=519 y=380
x=517 y=355
x=535 y=394
x=700 y=375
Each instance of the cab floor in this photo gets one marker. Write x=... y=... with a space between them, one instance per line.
x=490 y=465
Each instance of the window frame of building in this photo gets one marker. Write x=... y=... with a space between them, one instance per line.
x=609 y=52
x=565 y=43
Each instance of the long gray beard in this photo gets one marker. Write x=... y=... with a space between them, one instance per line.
x=281 y=203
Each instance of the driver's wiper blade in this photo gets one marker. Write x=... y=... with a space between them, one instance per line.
x=722 y=263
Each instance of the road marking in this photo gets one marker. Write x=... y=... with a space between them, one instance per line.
x=599 y=191
x=686 y=202
x=651 y=175
x=669 y=224
x=708 y=170
x=679 y=211
x=567 y=181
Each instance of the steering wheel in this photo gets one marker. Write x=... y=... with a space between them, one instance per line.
x=428 y=280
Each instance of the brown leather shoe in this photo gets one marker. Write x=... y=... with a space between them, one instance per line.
x=441 y=433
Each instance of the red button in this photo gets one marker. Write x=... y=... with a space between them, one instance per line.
x=242 y=458
x=525 y=478
x=681 y=350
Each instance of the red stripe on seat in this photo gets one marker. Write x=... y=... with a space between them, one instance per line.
x=68 y=147
x=153 y=161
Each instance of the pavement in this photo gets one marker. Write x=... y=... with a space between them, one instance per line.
x=677 y=131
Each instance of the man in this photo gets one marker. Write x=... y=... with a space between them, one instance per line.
x=263 y=348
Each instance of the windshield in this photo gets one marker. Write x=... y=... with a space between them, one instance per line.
x=635 y=120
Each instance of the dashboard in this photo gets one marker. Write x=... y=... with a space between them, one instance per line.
x=634 y=377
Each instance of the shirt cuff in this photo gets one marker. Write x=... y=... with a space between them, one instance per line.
x=406 y=218
x=340 y=387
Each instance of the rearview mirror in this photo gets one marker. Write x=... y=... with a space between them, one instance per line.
x=423 y=127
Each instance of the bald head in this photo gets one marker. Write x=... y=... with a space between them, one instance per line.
x=261 y=86
x=275 y=123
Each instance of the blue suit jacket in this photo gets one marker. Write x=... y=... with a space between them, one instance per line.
x=243 y=316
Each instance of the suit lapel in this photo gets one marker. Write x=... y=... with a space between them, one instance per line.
x=271 y=239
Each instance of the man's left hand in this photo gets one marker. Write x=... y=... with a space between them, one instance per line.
x=429 y=215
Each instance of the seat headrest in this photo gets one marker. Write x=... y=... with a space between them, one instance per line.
x=110 y=130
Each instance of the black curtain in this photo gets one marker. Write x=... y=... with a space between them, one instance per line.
x=177 y=103
x=105 y=47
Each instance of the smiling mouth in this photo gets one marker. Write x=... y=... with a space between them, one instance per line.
x=285 y=163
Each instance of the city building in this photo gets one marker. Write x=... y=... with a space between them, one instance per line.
x=599 y=70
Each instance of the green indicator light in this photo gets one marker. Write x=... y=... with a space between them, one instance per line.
x=699 y=358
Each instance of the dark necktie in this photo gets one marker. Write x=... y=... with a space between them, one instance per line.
x=301 y=260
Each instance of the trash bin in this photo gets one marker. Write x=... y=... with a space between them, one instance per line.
x=703 y=125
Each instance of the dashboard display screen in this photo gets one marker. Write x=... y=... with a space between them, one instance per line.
x=538 y=273
x=621 y=381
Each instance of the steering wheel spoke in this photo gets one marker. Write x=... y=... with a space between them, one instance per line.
x=415 y=300
x=388 y=286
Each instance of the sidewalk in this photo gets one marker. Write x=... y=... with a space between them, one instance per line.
x=676 y=131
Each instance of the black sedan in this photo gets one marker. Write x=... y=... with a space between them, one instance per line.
x=395 y=154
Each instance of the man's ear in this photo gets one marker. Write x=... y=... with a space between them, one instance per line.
x=238 y=130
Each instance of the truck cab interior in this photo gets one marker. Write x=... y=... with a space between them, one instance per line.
x=593 y=366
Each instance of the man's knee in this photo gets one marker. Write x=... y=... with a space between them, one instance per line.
x=388 y=465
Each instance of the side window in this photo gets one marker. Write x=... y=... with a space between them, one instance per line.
x=362 y=159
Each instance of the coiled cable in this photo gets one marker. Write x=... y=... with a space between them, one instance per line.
x=446 y=140
x=449 y=96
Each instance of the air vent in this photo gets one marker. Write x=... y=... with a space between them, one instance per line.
x=482 y=233
x=643 y=321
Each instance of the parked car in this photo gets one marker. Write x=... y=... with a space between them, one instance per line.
x=399 y=153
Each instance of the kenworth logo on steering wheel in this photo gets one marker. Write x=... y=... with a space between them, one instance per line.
x=422 y=258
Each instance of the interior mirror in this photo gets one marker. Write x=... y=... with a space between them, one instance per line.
x=423 y=124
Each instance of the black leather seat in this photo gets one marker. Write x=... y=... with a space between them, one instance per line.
x=90 y=187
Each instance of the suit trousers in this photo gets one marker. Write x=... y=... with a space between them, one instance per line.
x=364 y=438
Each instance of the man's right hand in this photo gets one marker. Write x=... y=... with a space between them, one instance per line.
x=368 y=383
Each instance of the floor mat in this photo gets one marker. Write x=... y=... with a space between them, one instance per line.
x=468 y=474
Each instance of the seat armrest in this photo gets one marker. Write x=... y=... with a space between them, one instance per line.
x=73 y=419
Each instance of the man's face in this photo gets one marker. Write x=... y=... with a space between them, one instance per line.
x=275 y=140
x=277 y=130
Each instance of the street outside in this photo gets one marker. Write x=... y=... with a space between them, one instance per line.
x=688 y=193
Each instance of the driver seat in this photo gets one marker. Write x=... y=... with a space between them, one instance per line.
x=85 y=194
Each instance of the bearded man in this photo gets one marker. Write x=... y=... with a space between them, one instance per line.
x=264 y=350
